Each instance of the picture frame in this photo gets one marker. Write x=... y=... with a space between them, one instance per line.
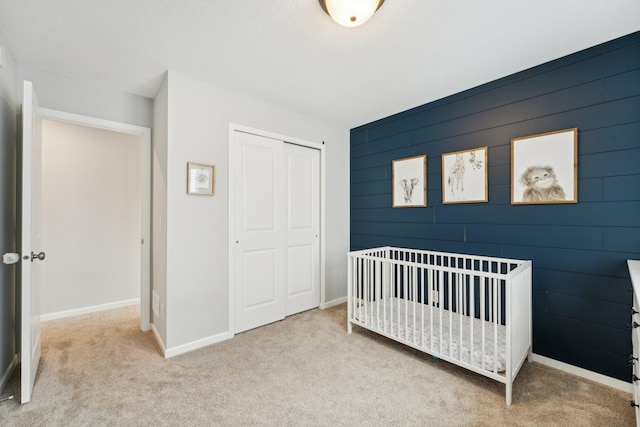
x=464 y=176
x=409 y=182
x=544 y=168
x=201 y=178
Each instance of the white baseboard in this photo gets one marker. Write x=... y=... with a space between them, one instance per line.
x=7 y=374
x=333 y=303
x=184 y=348
x=86 y=310
x=584 y=373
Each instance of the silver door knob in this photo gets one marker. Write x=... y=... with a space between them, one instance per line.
x=39 y=256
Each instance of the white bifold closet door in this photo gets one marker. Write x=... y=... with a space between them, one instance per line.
x=276 y=230
x=302 y=242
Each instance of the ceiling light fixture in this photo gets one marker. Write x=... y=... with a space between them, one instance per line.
x=351 y=13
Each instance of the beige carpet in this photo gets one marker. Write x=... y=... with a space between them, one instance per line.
x=100 y=370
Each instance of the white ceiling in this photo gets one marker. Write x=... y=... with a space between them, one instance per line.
x=289 y=52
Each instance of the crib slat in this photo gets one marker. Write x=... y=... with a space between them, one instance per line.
x=414 y=299
x=441 y=307
x=424 y=302
x=472 y=316
x=496 y=295
x=397 y=291
x=376 y=290
x=385 y=290
x=483 y=315
x=449 y=298
x=460 y=312
x=351 y=289
x=367 y=284
x=392 y=286
x=432 y=303
x=405 y=290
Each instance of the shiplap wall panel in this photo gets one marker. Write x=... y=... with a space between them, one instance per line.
x=584 y=355
x=584 y=333
x=604 y=313
x=622 y=188
x=622 y=85
x=621 y=239
x=571 y=237
x=621 y=137
x=612 y=163
x=590 y=285
x=590 y=190
x=579 y=251
x=622 y=58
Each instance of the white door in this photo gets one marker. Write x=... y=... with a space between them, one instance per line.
x=302 y=189
x=258 y=231
x=31 y=255
x=276 y=257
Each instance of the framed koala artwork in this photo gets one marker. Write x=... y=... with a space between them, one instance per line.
x=544 y=168
x=409 y=180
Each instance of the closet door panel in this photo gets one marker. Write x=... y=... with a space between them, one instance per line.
x=302 y=191
x=259 y=224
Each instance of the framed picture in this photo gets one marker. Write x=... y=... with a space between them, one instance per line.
x=201 y=178
x=409 y=178
x=464 y=176
x=544 y=168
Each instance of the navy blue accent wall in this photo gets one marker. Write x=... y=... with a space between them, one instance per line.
x=581 y=303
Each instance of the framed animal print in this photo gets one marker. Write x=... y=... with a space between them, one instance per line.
x=544 y=168
x=464 y=176
x=409 y=180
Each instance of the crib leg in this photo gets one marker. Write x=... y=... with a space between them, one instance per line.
x=349 y=327
x=508 y=393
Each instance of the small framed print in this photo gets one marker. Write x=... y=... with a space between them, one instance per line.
x=201 y=178
x=464 y=176
x=409 y=182
x=544 y=168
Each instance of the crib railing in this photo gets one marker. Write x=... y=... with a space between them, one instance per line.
x=470 y=310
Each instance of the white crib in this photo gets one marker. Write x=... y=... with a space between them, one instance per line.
x=469 y=310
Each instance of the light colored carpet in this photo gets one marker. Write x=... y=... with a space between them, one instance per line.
x=101 y=370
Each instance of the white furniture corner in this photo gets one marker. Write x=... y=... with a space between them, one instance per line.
x=634 y=272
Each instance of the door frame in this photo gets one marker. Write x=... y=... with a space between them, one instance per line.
x=145 y=178
x=231 y=203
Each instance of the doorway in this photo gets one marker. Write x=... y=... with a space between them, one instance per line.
x=102 y=179
x=276 y=227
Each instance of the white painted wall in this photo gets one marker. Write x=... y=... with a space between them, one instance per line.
x=190 y=121
x=87 y=98
x=199 y=114
x=8 y=74
x=159 y=211
x=91 y=217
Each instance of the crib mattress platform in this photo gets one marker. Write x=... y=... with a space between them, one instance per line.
x=426 y=324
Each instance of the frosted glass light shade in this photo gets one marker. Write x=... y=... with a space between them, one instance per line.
x=351 y=13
